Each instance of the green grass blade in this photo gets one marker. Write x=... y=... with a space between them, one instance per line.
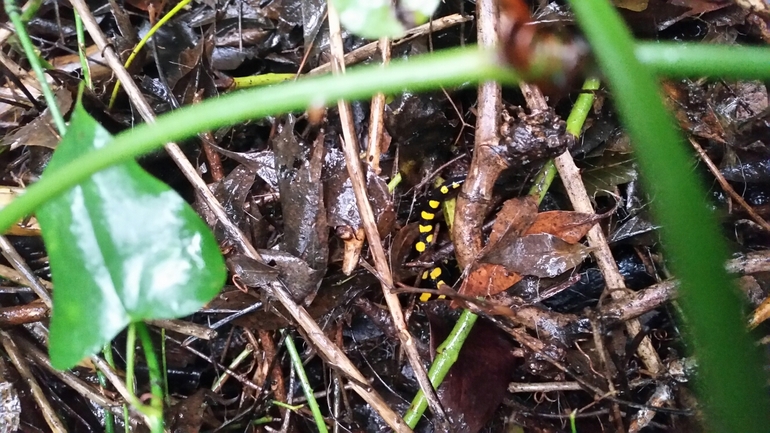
x=730 y=379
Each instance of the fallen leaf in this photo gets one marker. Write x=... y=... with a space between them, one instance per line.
x=488 y=279
x=542 y=255
x=565 y=225
x=513 y=219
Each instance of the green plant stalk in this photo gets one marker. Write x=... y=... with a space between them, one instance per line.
x=82 y=51
x=260 y=80
x=450 y=349
x=575 y=121
x=29 y=50
x=163 y=360
x=30 y=10
x=156 y=378
x=291 y=407
x=245 y=353
x=730 y=379
x=677 y=60
x=449 y=68
x=446 y=356
x=303 y=380
x=394 y=182
x=446 y=68
x=585 y=101
x=109 y=418
x=263 y=420
x=143 y=42
x=107 y=352
x=130 y=366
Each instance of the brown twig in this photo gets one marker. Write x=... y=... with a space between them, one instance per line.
x=726 y=187
x=13 y=352
x=208 y=143
x=377 y=116
x=270 y=352
x=9 y=252
x=369 y=50
x=573 y=183
x=357 y=178
x=476 y=197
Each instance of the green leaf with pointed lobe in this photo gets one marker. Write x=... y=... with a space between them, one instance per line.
x=123 y=247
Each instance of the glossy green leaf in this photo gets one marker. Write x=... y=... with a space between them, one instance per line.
x=123 y=247
x=374 y=19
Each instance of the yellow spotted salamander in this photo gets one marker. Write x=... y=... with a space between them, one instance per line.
x=427 y=228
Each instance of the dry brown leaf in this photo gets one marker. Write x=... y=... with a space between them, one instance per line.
x=513 y=219
x=488 y=279
x=565 y=225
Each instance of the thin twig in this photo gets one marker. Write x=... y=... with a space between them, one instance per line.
x=21 y=267
x=727 y=187
x=573 y=183
x=13 y=352
x=377 y=116
x=357 y=178
x=476 y=196
x=369 y=50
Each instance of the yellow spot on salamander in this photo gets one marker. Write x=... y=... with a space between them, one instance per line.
x=427 y=216
x=425 y=229
x=429 y=238
x=434 y=204
x=425 y=275
x=444 y=189
x=425 y=297
x=420 y=247
x=435 y=273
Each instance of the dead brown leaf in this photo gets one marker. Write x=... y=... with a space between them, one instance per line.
x=565 y=225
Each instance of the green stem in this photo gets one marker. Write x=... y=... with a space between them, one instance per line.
x=729 y=376
x=82 y=51
x=446 y=355
x=303 y=380
x=107 y=351
x=151 y=412
x=156 y=378
x=21 y=33
x=30 y=10
x=143 y=42
x=583 y=104
x=130 y=358
x=109 y=418
x=449 y=68
x=163 y=359
x=446 y=68
x=677 y=60
x=575 y=122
